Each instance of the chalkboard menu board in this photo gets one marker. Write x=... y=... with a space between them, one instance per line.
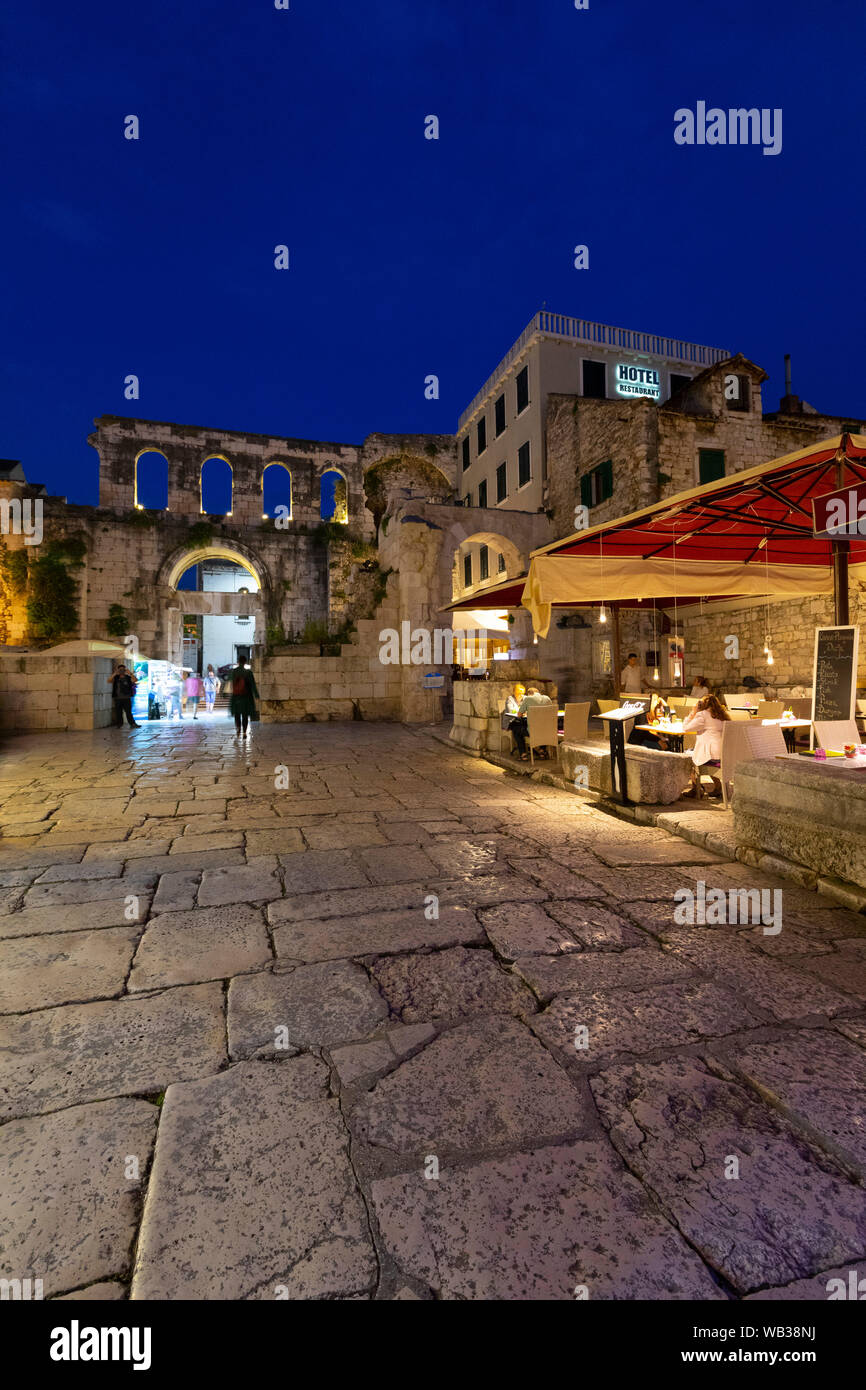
x=834 y=678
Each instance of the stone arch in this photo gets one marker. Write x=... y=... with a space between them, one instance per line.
x=278 y=463
x=181 y=559
x=400 y=478
x=341 y=506
x=457 y=538
x=216 y=458
x=136 y=498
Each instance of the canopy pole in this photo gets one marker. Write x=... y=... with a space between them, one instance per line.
x=841 y=550
x=617 y=668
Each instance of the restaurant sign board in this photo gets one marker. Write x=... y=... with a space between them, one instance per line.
x=637 y=381
x=834 y=678
x=839 y=514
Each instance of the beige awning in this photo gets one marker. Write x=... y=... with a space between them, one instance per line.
x=577 y=579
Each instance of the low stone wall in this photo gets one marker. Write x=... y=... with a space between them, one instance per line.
x=54 y=692
x=350 y=686
x=653 y=777
x=478 y=707
x=808 y=815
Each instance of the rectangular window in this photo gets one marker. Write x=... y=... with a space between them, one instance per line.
x=737 y=392
x=678 y=382
x=467 y=570
x=499 y=415
x=501 y=482
x=524 y=471
x=594 y=380
x=711 y=465
x=500 y=564
x=482 y=493
x=597 y=486
x=466 y=452
x=484 y=561
x=522 y=389
x=482 y=434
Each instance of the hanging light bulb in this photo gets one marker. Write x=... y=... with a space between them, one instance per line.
x=766 y=646
x=656 y=674
x=769 y=657
x=602 y=617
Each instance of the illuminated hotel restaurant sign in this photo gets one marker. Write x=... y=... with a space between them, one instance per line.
x=637 y=381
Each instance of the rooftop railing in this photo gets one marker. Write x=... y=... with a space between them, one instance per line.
x=547 y=325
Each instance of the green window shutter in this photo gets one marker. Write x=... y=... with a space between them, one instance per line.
x=585 y=494
x=711 y=464
x=606 y=479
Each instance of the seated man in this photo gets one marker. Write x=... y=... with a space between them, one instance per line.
x=520 y=726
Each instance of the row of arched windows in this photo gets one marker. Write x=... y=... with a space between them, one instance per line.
x=215 y=483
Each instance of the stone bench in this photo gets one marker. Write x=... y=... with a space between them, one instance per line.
x=806 y=814
x=654 y=777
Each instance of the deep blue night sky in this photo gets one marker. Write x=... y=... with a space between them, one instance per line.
x=408 y=256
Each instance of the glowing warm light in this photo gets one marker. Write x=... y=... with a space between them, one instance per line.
x=656 y=674
x=769 y=658
x=602 y=617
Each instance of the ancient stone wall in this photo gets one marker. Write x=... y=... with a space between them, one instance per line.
x=792 y=640
x=582 y=433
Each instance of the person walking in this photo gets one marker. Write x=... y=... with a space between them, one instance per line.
x=123 y=685
x=193 y=688
x=173 y=688
x=211 y=685
x=243 y=697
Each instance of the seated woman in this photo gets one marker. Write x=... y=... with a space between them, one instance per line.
x=645 y=738
x=707 y=721
x=516 y=723
x=700 y=690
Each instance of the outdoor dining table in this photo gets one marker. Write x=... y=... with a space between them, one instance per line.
x=837 y=761
x=789 y=729
x=673 y=730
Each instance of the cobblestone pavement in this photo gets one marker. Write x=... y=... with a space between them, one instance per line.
x=404 y=1027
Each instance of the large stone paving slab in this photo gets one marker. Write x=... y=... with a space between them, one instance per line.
x=317 y=870
x=39 y=971
x=638 y=885
x=252 y=1188
x=596 y=926
x=482 y=1086
x=311 y=1006
x=818 y=1080
x=248 y=884
x=781 y=992
x=589 y=971
x=180 y=948
x=374 y=934
x=845 y=1282
x=633 y=1022
x=758 y=1203
x=449 y=984
x=81 y=916
x=68 y=1213
x=538 y=1225
x=844 y=970
x=84 y=1052
x=59 y=896
x=518 y=929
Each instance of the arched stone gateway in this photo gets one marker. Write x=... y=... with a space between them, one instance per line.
x=251 y=605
